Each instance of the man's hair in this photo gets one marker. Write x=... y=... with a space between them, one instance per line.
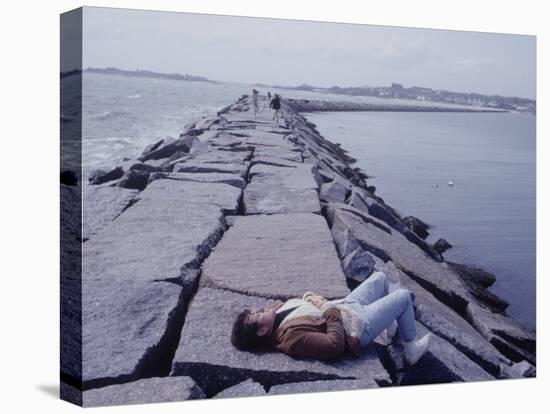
x=244 y=335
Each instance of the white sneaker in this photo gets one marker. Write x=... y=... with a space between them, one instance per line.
x=415 y=350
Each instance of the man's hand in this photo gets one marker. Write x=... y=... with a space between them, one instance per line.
x=315 y=300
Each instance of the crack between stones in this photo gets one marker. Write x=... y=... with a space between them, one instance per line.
x=215 y=378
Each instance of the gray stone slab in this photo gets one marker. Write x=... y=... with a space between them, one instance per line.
x=322 y=386
x=266 y=136
x=121 y=322
x=230 y=179
x=275 y=189
x=290 y=154
x=165 y=235
x=195 y=166
x=206 y=335
x=282 y=255
x=101 y=205
x=216 y=156
x=275 y=161
x=150 y=390
x=174 y=224
x=181 y=192
x=248 y=388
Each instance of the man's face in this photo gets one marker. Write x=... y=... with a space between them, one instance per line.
x=264 y=318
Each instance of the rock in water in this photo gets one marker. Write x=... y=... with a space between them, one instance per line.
x=100 y=176
x=417 y=226
x=442 y=245
x=136 y=180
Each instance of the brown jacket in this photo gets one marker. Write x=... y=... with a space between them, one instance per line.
x=309 y=337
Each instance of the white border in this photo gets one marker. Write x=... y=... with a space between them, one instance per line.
x=29 y=157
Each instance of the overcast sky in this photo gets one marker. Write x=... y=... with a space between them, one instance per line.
x=288 y=52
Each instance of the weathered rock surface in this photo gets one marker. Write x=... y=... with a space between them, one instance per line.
x=417 y=226
x=138 y=274
x=168 y=147
x=277 y=256
x=133 y=179
x=102 y=205
x=358 y=265
x=100 y=176
x=194 y=166
x=122 y=323
x=234 y=180
x=248 y=388
x=510 y=337
x=150 y=390
x=275 y=189
x=206 y=353
x=442 y=245
x=322 y=386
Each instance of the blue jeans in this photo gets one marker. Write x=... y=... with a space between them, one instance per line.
x=378 y=308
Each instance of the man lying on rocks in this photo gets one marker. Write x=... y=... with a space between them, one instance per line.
x=314 y=327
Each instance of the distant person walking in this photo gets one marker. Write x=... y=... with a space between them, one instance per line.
x=255 y=101
x=268 y=98
x=276 y=105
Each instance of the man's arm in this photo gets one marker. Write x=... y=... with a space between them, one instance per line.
x=318 y=345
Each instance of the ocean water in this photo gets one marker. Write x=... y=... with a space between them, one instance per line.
x=488 y=215
x=121 y=115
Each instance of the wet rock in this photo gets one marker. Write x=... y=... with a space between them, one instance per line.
x=150 y=390
x=68 y=177
x=154 y=146
x=136 y=180
x=169 y=147
x=417 y=226
x=473 y=275
x=278 y=256
x=358 y=265
x=100 y=176
x=442 y=245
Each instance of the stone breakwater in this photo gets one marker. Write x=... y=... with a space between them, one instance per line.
x=303 y=105
x=237 y=212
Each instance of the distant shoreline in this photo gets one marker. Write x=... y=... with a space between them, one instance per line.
x=138 y=74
